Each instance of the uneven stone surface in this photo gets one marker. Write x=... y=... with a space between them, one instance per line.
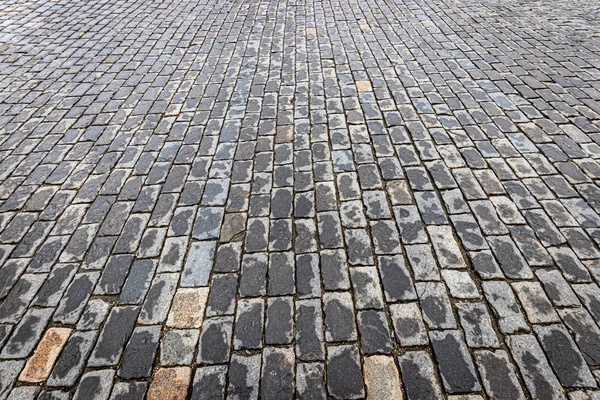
x=305 y=199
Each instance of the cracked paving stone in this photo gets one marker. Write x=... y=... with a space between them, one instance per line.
x=504 y=305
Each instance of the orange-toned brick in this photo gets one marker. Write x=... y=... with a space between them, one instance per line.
x=40 y=364
x=188 y=308
x=382 y=378
x=364 y=86
x=170 y=384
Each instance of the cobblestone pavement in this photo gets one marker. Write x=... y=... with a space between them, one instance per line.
x=299 y=198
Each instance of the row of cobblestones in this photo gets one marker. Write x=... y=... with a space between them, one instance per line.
x=299 y=199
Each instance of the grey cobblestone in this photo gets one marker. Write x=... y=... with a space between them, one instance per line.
x=277 y=199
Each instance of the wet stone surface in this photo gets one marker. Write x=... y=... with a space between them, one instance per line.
x=295 y=199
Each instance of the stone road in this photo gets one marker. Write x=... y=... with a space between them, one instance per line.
x=316 y=199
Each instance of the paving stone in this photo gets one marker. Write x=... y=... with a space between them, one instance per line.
x=140 y=352
x=408 y=324
x=209 y=382
x=374 y=332
x=278 y=373
x=410 y=225
x=309 y=330
x=158 y=300
x=187 y=309
x=308 y=284
x=71 y=362
x=504 y=305
x=589 y=297
x=15 y=304
x=177 y=347
x=460 y=284
x=198 y=264
x=93 y=315
x=138 y=282
x=396 y=279
x=366 y=287
x=446 y=248
x=54 y=286
x=244 y=375
x=228 y=257
x=115 y=334
x=95 y=384
x=310 y=381
x=584 y=331
x=249 y=324
x=215 y=340
x=344 y=376
x=498 y=374
x=113 y=276
x=477 y=325
x=281 y=274
x=10 y=371
x=437 y=310
x=334 y=270
x=556 y=287
x=564 y=356
x=536 y=371
x=170 y=383
x=568 y=262
x=279 y=325
x=418 y=376
x=253 y=276
x=456 y=366
x=39 y=366
x=381 y=377
x=422 y=262
x=129 y=390
x=26 y=333
x=537 y=306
